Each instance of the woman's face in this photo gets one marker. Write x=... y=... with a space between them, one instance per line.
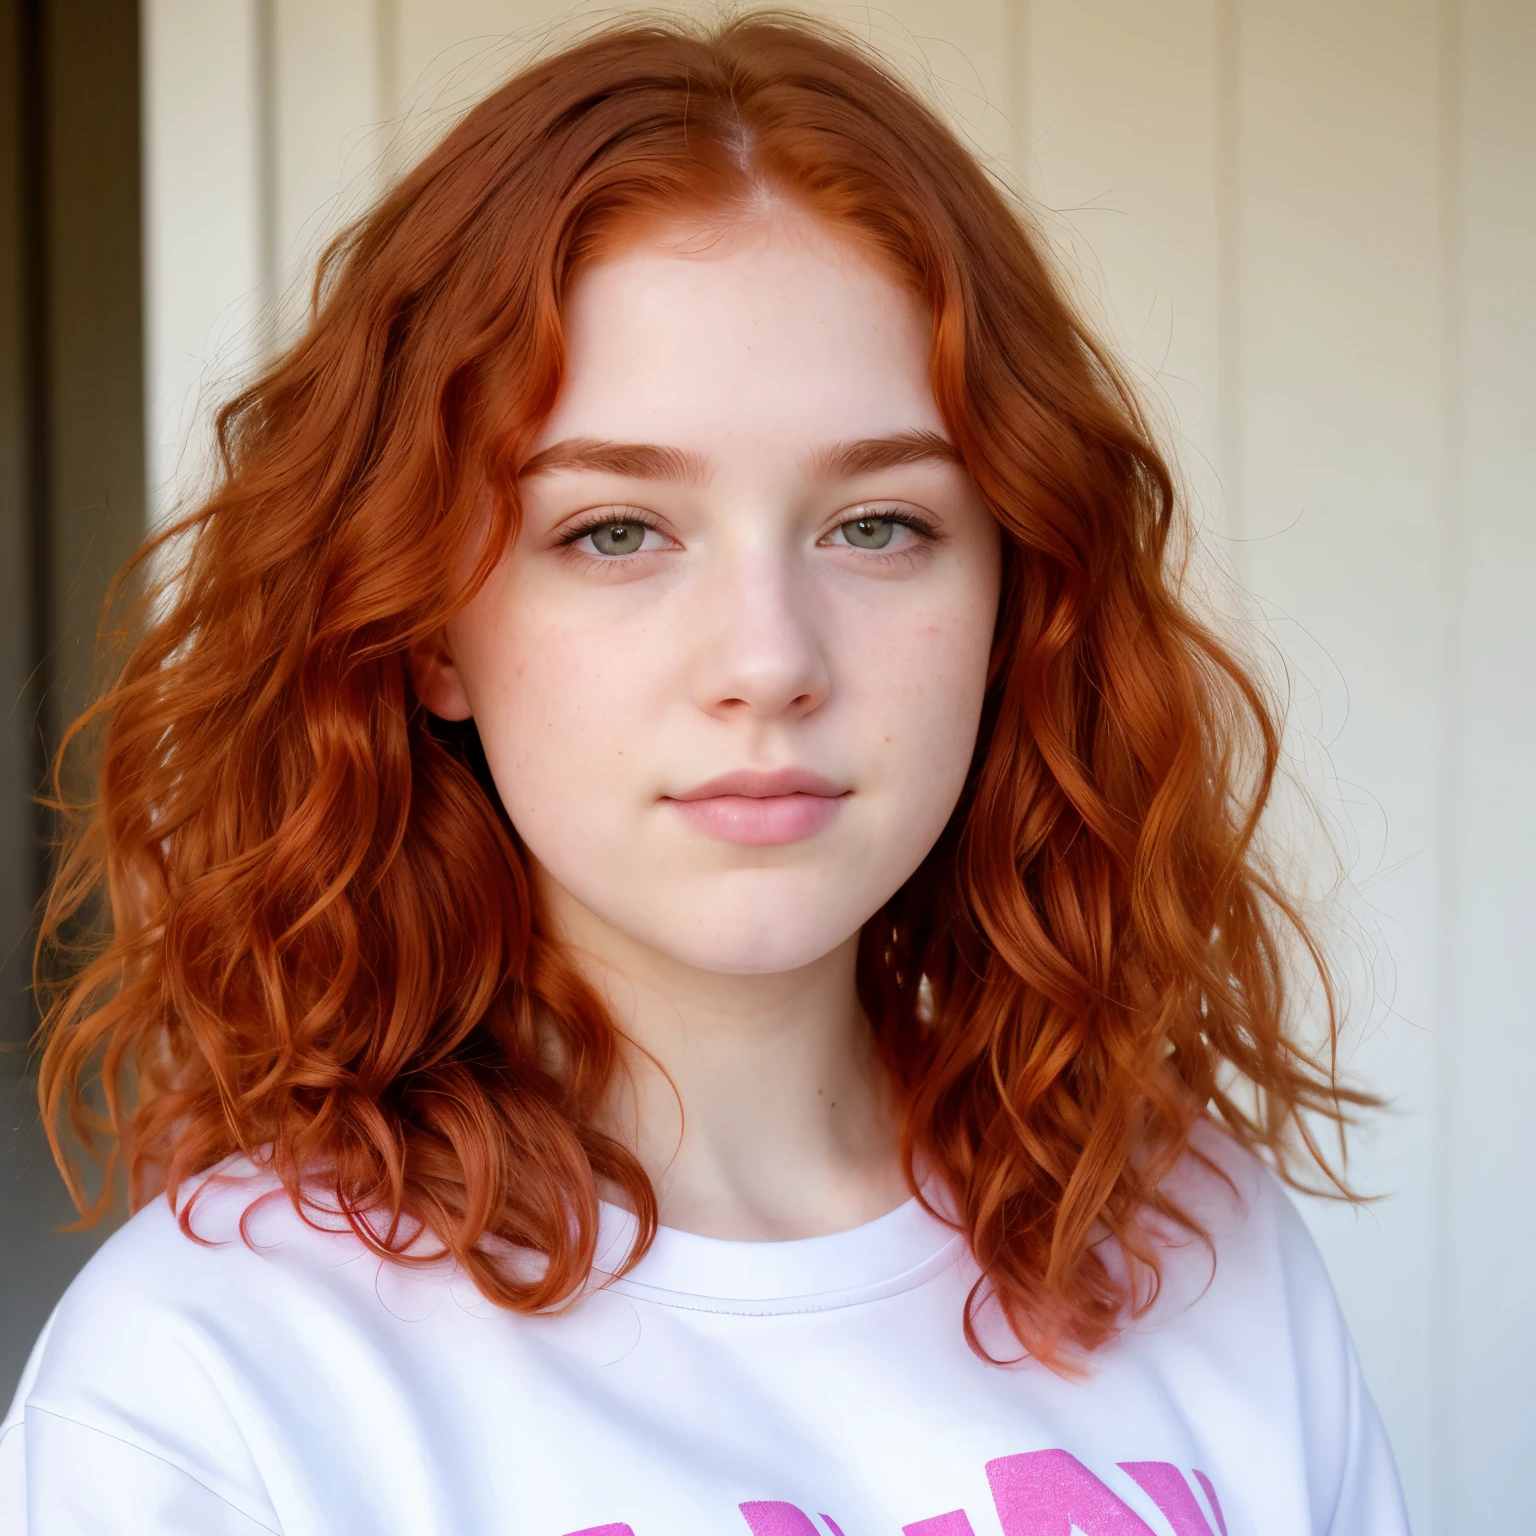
x=729 y=676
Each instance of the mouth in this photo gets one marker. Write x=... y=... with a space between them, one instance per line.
x=756 y=809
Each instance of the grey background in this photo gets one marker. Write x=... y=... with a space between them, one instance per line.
x=71 y=510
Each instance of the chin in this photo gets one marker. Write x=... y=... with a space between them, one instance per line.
x=744 y=922
x=751 y=954
x=754 y=932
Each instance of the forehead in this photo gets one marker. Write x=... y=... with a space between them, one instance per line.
x=777 y=331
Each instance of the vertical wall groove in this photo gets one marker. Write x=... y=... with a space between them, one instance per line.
x=270 y=257
x=1228 y=153
x=386 y=31
x=36 y=386
x=1019 y=119
x=1442 y=1343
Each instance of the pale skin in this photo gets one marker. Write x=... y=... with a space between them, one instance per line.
x=748 y=549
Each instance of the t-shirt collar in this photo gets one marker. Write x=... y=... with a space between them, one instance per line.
x=890 y=1254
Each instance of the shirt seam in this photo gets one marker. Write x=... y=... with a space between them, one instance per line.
x=744 y=1306
x=144 y=1450
x=1348 y=1472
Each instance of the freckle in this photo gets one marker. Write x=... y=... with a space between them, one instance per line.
x=887 y=741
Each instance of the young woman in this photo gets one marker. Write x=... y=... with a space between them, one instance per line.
x=685 y=950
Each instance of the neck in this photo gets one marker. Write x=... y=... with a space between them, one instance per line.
x=756 y=1104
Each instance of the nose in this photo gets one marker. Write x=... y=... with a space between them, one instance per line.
x=758 y=648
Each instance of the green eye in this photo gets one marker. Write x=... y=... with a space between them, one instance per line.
x=617 y=538
x=868 y=532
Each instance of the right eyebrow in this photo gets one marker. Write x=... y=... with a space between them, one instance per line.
x=639 y=461
x=866 y=455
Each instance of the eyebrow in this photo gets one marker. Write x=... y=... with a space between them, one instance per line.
x=833 y=461
x=861 y=456
x=637 y=461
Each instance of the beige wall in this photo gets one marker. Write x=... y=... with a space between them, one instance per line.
x=1311 y=224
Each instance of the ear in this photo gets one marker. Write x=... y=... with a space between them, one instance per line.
x=436 y=679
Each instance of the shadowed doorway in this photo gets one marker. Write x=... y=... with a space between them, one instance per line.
x=71 y=510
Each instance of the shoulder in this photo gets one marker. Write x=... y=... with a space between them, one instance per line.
x=1252 y=1229
x=133 y=1369
x=155 y=1286
x=201 y=1361
x=1251 y=1263
x=233 y=1240
x=1245 y=1297
x=147 y=1344
x=1251 y=1311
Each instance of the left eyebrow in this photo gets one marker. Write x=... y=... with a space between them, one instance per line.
x=861 y=456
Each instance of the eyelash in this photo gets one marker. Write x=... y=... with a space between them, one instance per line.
x=913 y=520
x=919 y=524
x=626 y=515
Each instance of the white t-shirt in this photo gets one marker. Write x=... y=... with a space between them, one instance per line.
x=820 y=1387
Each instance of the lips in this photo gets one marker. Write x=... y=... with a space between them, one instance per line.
x=757 y=809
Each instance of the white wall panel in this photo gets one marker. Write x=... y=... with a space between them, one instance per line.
x=202 y=221
x=450 y=51
x=1116 y=118
x=1340 y=362
x=327 y=141
x=962 y=56
x=1311 y=228
x=1484 y=1328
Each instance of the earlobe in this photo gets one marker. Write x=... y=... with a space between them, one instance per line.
x=436 y=679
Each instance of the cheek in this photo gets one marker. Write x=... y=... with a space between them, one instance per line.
x=923 y=686
x=560 y=705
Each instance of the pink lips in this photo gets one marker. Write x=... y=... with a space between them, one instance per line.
x=761 y=810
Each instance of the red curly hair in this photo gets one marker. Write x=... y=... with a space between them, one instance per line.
x=320 y=947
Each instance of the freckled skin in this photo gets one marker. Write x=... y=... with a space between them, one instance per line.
x=746 y=632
